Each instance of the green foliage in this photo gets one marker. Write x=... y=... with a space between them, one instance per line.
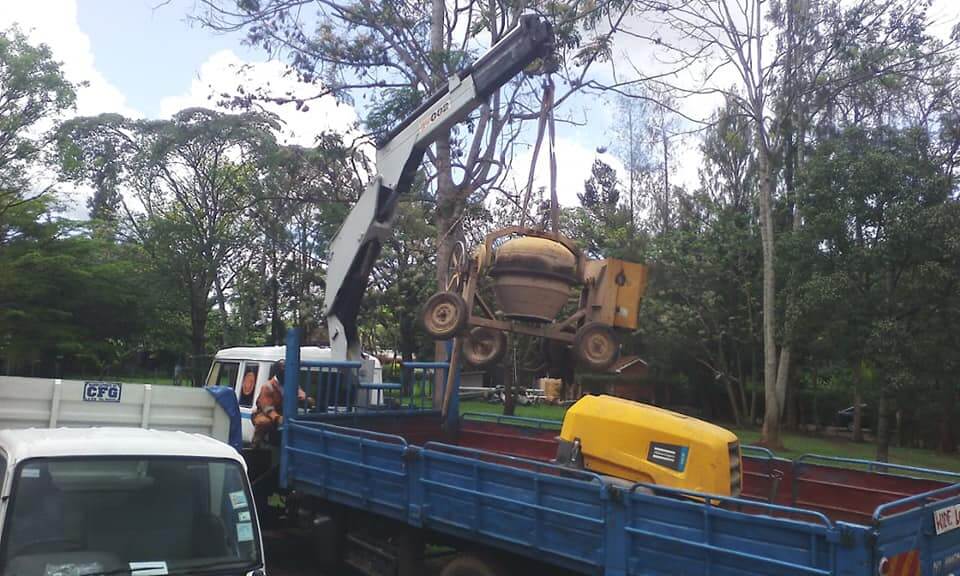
x=880 y=220
x=33 y=92
x=67 y=293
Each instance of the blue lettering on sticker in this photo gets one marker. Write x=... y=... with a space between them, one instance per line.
x=101 y=391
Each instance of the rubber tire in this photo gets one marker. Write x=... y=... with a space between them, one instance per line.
x=470 y=565
x=459 y=308
x=582 y=339
x=476 y=333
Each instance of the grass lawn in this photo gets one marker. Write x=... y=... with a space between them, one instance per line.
x=542 y=411
x=797 y=444
x=794 y=444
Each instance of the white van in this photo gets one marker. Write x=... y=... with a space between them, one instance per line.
x=230 y=365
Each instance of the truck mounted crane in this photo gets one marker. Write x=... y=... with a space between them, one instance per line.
x=356 y=246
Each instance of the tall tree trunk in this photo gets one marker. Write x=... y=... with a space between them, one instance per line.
x=815 y=416
x=744 y=408
x=771 y=418
x=509 y=389
x=754 y=375
x=732 y=394
x=883 y=428
x=447 y=200
x=728 y=384
x=198 y=335
x=665 y=209
x=948 y=441
x=222 y=306
x=276 y=322
x=857 y=404
x=791 y=410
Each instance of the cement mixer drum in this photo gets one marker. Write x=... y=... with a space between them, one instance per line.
x=533 y=277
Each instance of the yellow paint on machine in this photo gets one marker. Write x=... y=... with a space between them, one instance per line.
x=618 y=288
x=635 y=441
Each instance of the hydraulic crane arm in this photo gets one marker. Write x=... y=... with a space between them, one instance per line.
x=357 y=244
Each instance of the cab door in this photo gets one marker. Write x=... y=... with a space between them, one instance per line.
x=250 y=380
x=230 y=373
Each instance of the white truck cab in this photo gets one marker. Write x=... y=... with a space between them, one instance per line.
x=231 y=366
x=86 y=501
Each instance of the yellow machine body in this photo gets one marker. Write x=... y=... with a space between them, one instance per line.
x=615 y=290
x=643 y=443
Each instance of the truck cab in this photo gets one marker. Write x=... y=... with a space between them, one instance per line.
x=231 y=366
x=124 y=500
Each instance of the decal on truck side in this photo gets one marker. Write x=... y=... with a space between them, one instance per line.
x=946 y=519
x=101 y=391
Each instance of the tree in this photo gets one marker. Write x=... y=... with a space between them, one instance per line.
x=879 y=224
x=195 y=177
x=394 y=55
x=601 y=191
x=779 y=93
x=66 y=293
x=33 y=92
x=601 y=225
x=303 y=198
x=632 y=146
x=402 y=279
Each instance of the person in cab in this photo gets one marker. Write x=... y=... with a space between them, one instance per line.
x=268 y=413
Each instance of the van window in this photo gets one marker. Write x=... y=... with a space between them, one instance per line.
x=224 y=374
x=249 y=384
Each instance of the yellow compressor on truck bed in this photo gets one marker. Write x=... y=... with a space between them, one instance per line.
x=643 y=443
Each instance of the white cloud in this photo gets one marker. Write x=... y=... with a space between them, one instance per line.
x=223 y=72
x=54 y=23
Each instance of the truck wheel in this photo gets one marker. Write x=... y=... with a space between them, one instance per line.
x=595 y=346
x=470 y=565
x=444 y=315
x=484 y=346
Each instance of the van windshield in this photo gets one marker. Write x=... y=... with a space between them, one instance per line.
x=85 y=517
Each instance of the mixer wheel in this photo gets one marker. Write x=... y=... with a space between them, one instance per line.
x=595 y=346
x=444 y=315
x=484 y=346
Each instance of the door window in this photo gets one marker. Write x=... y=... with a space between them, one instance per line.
x=224 y=374
x=249 y=384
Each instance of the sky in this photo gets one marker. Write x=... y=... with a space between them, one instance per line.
x=145 y=59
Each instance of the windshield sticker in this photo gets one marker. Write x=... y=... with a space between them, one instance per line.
x=73 y=569
x=243 y=516
x=244 y=532
x=238 y=499
x=148 y=568
x=30 y=473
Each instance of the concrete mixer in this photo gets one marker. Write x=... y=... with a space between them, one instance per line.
x=535 y=275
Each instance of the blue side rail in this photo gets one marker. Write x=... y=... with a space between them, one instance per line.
x=595 y=525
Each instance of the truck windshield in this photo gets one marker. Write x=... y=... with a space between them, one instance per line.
x=164 y=515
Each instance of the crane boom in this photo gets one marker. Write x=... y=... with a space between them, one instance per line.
x=357 y=244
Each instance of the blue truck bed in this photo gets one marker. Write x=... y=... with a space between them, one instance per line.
x=580 y=521
x=490 y=483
